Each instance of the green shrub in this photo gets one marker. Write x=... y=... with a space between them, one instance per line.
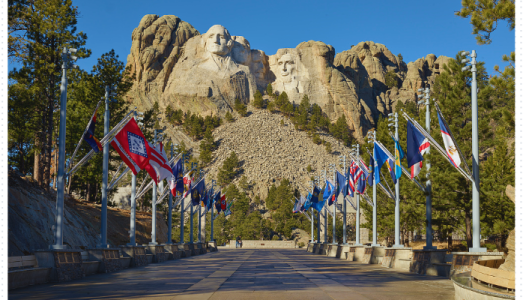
x=229 y=117
x=275 y=238
x=301 y=244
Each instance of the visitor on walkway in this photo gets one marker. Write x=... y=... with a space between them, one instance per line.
x=239 y=241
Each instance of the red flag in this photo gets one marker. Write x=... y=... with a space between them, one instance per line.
x=224 y=203
x=132 y=146
x=158 y=167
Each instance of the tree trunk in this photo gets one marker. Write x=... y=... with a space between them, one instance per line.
x=449 y=241
x=468 y=225
x=88 y=193
x=37 y=170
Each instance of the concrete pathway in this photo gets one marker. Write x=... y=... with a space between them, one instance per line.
x=249 y=274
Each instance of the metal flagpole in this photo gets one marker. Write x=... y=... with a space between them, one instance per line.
x=105 y=175
x=60 y=185
x=182 y=206
x=132 y=227
x=428 y=184
x=343 y=159
x=333 y=169
x=326 y=225
x=476 y=226
x=372 y=138
x=212 y=210
x=170 y=217
x=394 y=118
x=191 y=238
x=356 y=148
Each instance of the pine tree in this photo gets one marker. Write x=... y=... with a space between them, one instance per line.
x=240 y=108
x=258 y=100
x=38 y=30
x=269 y=89
x=228 y=169
x=229 y=117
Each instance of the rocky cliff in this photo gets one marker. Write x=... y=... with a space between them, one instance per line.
x=177 y=66
x=32 y=214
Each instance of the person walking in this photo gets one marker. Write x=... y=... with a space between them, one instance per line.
x=239 y=241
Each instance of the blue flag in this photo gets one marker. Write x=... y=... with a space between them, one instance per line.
x=295 y=208
x=362 y=186
x=391 y=170
x=398 y=156
x=197 y=192
x=350 y=192
x=341 y=183
x=318 y=205
x=380 y=157
x=217 y=202
x=417 y=145
x=307 y=203
x=328 y=192
x=315 y=195
x=178 y=176
x=90 y=138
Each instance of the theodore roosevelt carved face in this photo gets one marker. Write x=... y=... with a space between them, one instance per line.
x=287 y=67
x=218 y=40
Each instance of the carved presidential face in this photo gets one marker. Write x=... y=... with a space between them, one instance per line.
x=241 y=51
x=287 y=67
x=218 y=40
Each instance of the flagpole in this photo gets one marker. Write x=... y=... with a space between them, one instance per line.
x=428 y=184
x=191 y=238
x=170 y=217
x=374 y=196
x=344 y=205
x=326 y=225
x=397 y=244
x=333 y=168
x=212 y=210
x=105 y=175
x=182 y=205
x=357 y=149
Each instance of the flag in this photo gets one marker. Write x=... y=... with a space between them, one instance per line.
x=398 y=156
x=205 y=198
x=315 y=194
x=223 y=202
x=197 y=192
x=158 y=167
x=132 y=146
x=89 y=136
x=362 y=185
x=341 y=184
x=296 y=209
x=177 y=178
x=417 y=145
x=307 y=203
x=318 y=205
x=187 y=183
x=217 y=203
x=327 y=193
x=370 y=179
x=350 y=176
x=390 y=163
x=228 y=210
x=452 y=151
x=380 y=157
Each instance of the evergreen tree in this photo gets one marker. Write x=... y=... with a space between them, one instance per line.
x=228 y=169
x=229 y=117
x=269 y=89
x=391 y=79
x=258 y=100
x=38 y=31
x=240 y=107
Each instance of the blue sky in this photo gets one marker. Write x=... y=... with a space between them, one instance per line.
x=412 y=28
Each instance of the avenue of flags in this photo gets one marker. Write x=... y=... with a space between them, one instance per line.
x=359 y=176
x=138 y=154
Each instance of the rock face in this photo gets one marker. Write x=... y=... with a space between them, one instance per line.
x=309 y=70
x=177 y=66
x=32 y=214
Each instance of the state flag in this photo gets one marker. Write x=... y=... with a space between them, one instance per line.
x=417 y=145
x=452 y=150
x=177 y=178
x=90 y=138
x=131 y=145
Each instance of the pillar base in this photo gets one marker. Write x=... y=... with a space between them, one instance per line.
x=429 y=248
x=478 y=249
x=375 y=245
x=398 y=246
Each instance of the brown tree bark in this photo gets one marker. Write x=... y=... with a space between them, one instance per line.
x=37 y=168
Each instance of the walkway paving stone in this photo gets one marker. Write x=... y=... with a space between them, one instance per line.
x=249 y=274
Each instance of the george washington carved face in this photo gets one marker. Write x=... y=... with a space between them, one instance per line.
x=218 y=40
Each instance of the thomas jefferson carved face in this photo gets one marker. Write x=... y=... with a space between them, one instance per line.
x=218 y=40
x=287 y=67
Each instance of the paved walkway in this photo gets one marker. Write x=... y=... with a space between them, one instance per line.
x=249 y=274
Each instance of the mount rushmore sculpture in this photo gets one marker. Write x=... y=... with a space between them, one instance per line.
x=175 y=65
